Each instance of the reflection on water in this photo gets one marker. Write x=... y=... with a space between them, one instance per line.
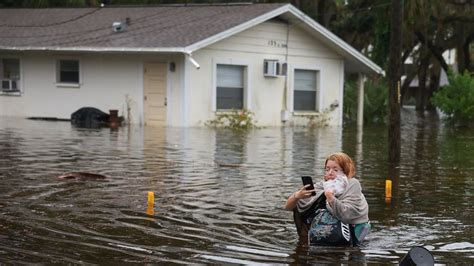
x=219 y=194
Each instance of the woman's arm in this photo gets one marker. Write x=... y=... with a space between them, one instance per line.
x=292 y=200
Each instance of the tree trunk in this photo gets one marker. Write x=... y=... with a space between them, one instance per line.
x=466 y=47
x=460 y=55
x=324 y=12
x=394 y=69
x=422 y=73
x=435 y=77
x=437 y=52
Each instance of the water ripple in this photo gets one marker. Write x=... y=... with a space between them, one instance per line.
x=219 y=194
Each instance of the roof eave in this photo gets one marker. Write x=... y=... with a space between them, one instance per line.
x=349 y=50
x=94 y=49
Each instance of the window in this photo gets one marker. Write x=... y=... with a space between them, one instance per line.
x=230 y=87
x=68 y=71
x=9 y=74
x=305 y=90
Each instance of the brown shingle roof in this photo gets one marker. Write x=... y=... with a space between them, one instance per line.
x=150 y=27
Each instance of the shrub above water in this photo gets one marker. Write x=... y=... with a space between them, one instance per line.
x=234 y=119
x=456 y=99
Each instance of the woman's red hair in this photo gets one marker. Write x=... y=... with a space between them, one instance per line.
x=344 y=161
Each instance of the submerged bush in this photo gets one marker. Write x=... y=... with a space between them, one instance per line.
x=456 y=99
x=234 y=119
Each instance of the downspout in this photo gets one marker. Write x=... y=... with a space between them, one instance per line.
x=187 y=56
x=360 y=100
x=284 y=112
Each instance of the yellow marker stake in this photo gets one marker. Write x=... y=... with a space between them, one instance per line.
x=151 y=198
x=151 y=202
x=388 y=188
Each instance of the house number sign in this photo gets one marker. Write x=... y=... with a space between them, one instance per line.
x=278 y=44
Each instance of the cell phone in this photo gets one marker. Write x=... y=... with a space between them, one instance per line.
x=307 y=180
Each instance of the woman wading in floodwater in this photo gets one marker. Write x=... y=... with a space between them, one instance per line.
x=338 y=213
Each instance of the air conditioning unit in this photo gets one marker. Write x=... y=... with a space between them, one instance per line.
x=8 y=85
x=274 y=68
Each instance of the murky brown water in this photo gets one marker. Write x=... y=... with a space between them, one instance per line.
x=219 y=195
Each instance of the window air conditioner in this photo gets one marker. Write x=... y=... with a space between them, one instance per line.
x=274 y=68
x=9 y=85
x=282 y=68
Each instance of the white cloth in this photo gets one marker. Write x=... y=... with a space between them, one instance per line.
x=338 y=184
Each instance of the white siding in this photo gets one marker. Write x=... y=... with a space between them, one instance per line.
x=115 y=81
x=267 y=95
x=107 y=82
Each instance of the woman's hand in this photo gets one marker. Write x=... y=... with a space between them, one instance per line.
x=303 y=192
x=329 y=193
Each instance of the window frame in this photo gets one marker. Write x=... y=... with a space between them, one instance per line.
x=318 y=98
x=19 y=80
x=247 y=69
x=65 y=84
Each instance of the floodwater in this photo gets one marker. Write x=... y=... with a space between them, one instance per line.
x=218 y=195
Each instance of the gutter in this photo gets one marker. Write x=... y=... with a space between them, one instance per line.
x=94 y=49
x=186 y=52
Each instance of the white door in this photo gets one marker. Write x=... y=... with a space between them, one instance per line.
x=155 y=94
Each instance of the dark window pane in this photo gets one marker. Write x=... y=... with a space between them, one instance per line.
x=71 y=77
x=69 y=71
x=305 y=101
x=11 y=69
x=230 y=98
x=69 y=65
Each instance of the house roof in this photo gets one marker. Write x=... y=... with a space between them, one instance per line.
x=167 y=28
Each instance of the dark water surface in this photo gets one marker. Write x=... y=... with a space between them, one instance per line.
x=219 y=195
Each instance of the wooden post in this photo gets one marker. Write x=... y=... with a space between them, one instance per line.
x=360 y=100
x=394 y=71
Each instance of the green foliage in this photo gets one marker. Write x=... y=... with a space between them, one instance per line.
x=456 y=100
x=235 y=119
x=381 y=28
x=375 y=101
x=350 y=101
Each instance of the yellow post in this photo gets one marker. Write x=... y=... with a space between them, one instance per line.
x=388 y=188
x=151 y=203
x=151 y=198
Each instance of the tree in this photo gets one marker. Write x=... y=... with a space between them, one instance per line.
x=394 y=68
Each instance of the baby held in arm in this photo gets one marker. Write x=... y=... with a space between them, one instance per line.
x=337 y=185
x=337 y=198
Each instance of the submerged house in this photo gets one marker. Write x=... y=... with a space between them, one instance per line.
x=177 y=65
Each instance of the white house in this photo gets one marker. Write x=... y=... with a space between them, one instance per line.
x=176 y=65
